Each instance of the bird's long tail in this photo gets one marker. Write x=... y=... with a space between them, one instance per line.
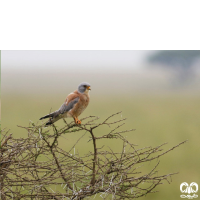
x=53 y=117
x=48 y=116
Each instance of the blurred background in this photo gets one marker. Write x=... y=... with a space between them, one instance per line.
x=157 y=91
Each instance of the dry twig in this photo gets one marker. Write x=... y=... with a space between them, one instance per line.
x=61 y=175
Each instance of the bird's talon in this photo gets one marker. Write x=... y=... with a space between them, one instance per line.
x=77 y=121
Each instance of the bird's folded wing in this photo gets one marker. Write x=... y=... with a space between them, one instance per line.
x=68 y=105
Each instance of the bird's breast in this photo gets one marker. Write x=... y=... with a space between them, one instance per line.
x=81 y=105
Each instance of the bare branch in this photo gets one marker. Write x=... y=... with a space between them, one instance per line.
x=36 y=167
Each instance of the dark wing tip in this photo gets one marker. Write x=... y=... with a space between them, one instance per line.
x=48 y=123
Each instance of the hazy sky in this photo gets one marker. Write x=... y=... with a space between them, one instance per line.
x=73 y=60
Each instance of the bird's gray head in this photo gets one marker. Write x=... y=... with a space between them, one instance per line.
x=84 y=87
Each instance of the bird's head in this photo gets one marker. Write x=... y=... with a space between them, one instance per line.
x=84 y=87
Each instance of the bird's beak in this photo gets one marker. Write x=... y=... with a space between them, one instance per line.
x=88 y=88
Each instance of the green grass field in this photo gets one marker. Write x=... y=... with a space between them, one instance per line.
x=157 y=118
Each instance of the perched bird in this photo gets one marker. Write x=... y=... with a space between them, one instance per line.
x=74 y=105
